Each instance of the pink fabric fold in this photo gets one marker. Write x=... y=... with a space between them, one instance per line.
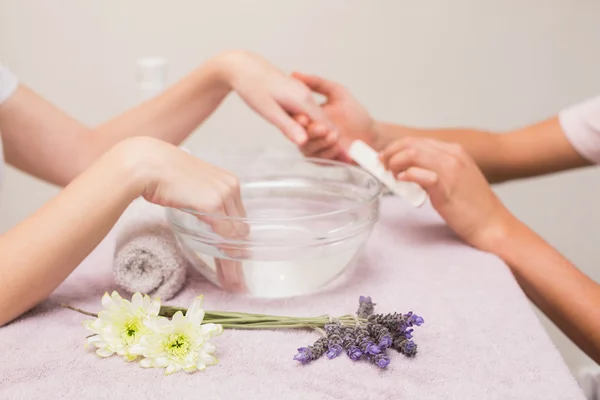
x=481 y=338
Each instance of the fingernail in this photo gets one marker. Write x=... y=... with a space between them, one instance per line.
x=332 y=136
x=401 y=175
x=300 y=139
x=320 y=129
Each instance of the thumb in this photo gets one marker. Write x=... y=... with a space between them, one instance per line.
x=425 y=178
x=320 y=85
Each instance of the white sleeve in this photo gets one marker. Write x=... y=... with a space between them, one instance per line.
x=581 y=124
x=8 y=83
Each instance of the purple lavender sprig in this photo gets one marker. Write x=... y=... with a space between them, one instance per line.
x=396 y=323
x=354 y=352
x=334 y=351
x=311 y=353
x=365 y=307
x=381 y=360
x=334 y=343
x=367 y=339
x=381 y=334
x=405 y=346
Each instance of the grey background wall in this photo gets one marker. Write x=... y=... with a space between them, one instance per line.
x=489 y=64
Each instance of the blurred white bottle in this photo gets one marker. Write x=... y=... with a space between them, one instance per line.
x=151 y=76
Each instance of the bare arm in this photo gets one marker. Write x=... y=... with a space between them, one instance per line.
x=45 y=142
x=567 y=296
x=462 y=196
x=535 y=150
x=538 y=149
x=40 y=252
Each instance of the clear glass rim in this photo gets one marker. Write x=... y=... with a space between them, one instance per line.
x=258 y=221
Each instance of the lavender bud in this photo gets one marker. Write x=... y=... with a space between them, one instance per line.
x=318 y=348
x=396 y=323
x=334 y=327
x=410 y=348
x=390 y=321
x=418 y=320
x=334 y=339
x=385 y=341
x=354 y=353
x=334 y=351
x=348 y=340
x=381 y=360
x=361 y=334
x=304 y=355
x=413 y=319
x=370 y=348
x=311 y=353
x=381 y=334
x=365 y=307
x=405 y=346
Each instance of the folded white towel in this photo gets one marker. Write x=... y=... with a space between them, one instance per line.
x=147 y=258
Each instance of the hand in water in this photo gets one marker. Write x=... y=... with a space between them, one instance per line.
x=171 y=177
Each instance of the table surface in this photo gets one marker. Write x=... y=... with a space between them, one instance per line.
x=481 y=338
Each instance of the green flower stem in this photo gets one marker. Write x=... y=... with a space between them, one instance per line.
x=237 y=320
x=245 y=326
x=169 y=311
x=78 y=310
x=280 y=324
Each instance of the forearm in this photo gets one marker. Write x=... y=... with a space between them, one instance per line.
x=174 y=114
x=40 y=252
x=567 y=296
x=535 y=150
x=482 y=146
x=44 y=141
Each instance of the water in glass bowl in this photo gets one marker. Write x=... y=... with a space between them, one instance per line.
x=305 y=230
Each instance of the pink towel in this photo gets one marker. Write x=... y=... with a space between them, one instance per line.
x=480 y=340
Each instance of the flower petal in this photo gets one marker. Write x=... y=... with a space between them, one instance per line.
x=161 y=361
x=137 y=301
x=102 y=352
x=190 y=368
x=209 y=348
x=212 y=330
x=154 y=307
x=172 y=368
x=200 y=365
x=146 y=363
x=210 y=360
x=195 y=313
x=107 y=301
x=157 y=324
x=136 y=348
x=117 y=299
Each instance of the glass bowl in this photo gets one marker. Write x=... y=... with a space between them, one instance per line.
x=307 y=220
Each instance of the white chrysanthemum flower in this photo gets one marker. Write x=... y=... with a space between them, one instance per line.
x=121 y=324
x=181 y=343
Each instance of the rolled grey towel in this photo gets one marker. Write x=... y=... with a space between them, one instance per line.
x=147 y=258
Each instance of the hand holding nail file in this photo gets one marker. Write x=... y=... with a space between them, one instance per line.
x=368 y=158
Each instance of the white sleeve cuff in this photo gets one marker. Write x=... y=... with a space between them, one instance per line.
x=581 y=124
x=8 y=83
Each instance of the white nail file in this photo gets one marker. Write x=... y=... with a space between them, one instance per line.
x=368 y=158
